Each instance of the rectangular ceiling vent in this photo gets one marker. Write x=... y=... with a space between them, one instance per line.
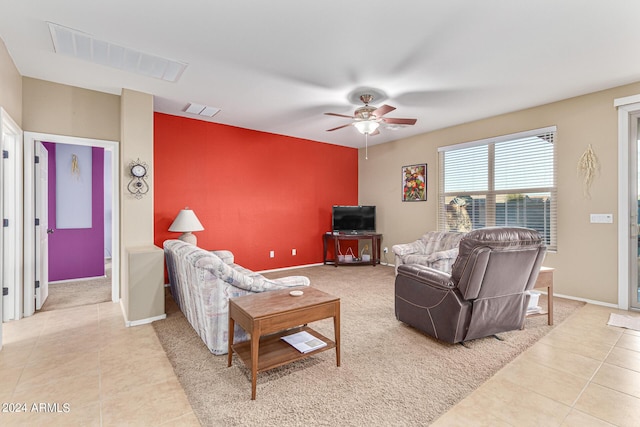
x=84 y=46
x=201 y=110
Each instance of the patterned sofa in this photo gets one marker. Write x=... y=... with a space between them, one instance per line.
x=435 y=249
x=202 y=282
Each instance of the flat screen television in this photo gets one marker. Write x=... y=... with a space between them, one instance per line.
x=354 y=219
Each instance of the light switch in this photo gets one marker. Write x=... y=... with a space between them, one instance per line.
x=602 y=218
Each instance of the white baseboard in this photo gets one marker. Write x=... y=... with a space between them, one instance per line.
x=128 y=323
x=81 y=279
x=588 y=301
x=295 y=267
x=308 y=265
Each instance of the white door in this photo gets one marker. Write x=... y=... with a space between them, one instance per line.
x=6 y=308
x=10 y=220
x=42 y=223
x=10 y=224
x=2 y=281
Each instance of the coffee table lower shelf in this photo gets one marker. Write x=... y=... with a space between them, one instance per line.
x=274 y=352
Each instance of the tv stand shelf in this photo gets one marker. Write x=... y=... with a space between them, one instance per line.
x=336 y=238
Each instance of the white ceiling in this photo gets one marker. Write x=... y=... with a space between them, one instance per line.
x=278 y=65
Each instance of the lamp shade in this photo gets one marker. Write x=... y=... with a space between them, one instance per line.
x=186 y=221
x=366 y=126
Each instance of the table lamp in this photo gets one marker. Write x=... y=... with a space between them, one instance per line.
x=186 y=222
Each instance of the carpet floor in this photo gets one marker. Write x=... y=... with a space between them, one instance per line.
x=76 y=293
x=391 y=374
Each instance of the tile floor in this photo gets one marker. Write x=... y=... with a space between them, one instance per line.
x=107 y=374
x=583 y=373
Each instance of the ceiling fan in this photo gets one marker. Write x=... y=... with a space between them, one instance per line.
x=367 y=119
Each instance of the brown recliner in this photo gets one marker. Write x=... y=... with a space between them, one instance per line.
x=485 y=292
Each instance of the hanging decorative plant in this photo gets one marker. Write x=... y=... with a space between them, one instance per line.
x=588 y=166
x=75 y=167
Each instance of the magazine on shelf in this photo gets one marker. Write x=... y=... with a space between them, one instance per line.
x=534 y=310
x=304 y=342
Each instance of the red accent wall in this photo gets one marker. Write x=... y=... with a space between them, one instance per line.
x=253 y=192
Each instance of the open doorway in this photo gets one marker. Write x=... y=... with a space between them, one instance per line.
x=33 y=235
x=78 y=231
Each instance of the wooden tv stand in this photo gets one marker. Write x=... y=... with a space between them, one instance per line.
x=375 y=239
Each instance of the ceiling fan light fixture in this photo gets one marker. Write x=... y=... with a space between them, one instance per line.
x=366 y=126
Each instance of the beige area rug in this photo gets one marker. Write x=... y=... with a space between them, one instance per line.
x=77 y=293
x=624 y=321
x=391 y=374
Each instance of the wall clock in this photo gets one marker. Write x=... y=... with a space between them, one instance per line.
x=138 y=185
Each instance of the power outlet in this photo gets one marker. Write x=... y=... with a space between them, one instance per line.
x=385 y=250
x=294 y=252
x=272 y=254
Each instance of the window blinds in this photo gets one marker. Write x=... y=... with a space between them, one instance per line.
x=504 y=181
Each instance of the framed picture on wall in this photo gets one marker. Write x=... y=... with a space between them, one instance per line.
x=414 y=183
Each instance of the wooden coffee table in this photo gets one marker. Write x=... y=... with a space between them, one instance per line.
x=268 y=316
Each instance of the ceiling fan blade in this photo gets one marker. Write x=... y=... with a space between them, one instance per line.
x=395 y=121
x=382 y=110
x=339 y=127
x=375 y=132
x=339 y=115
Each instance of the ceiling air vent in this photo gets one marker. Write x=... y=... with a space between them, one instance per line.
x=201 y=110
x=84 y=46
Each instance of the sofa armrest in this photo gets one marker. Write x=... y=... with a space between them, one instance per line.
x=293 y=281
x=226 y=256
x=443 y=255
x=424 y=274
x=402 y=249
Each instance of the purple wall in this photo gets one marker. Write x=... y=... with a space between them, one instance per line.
x=77 y=253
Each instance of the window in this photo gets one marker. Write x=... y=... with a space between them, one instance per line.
x=504 y=181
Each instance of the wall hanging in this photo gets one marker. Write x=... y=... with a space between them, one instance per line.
x=588 y=167
x=414 y=183
x=74 y=186
x=138 y=184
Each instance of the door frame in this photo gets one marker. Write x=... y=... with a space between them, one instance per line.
x=12 y=128
x=628 y=110
x=29 y=210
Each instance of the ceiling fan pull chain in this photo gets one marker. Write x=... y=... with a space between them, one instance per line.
x=366 y=146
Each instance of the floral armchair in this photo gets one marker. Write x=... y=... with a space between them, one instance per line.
x=435 y=249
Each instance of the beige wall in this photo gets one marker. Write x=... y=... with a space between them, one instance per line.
x=136 y=143
x=10 y=86
x=586 y=261
x=136 y=215
x=71 y=111
x=66 y=110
